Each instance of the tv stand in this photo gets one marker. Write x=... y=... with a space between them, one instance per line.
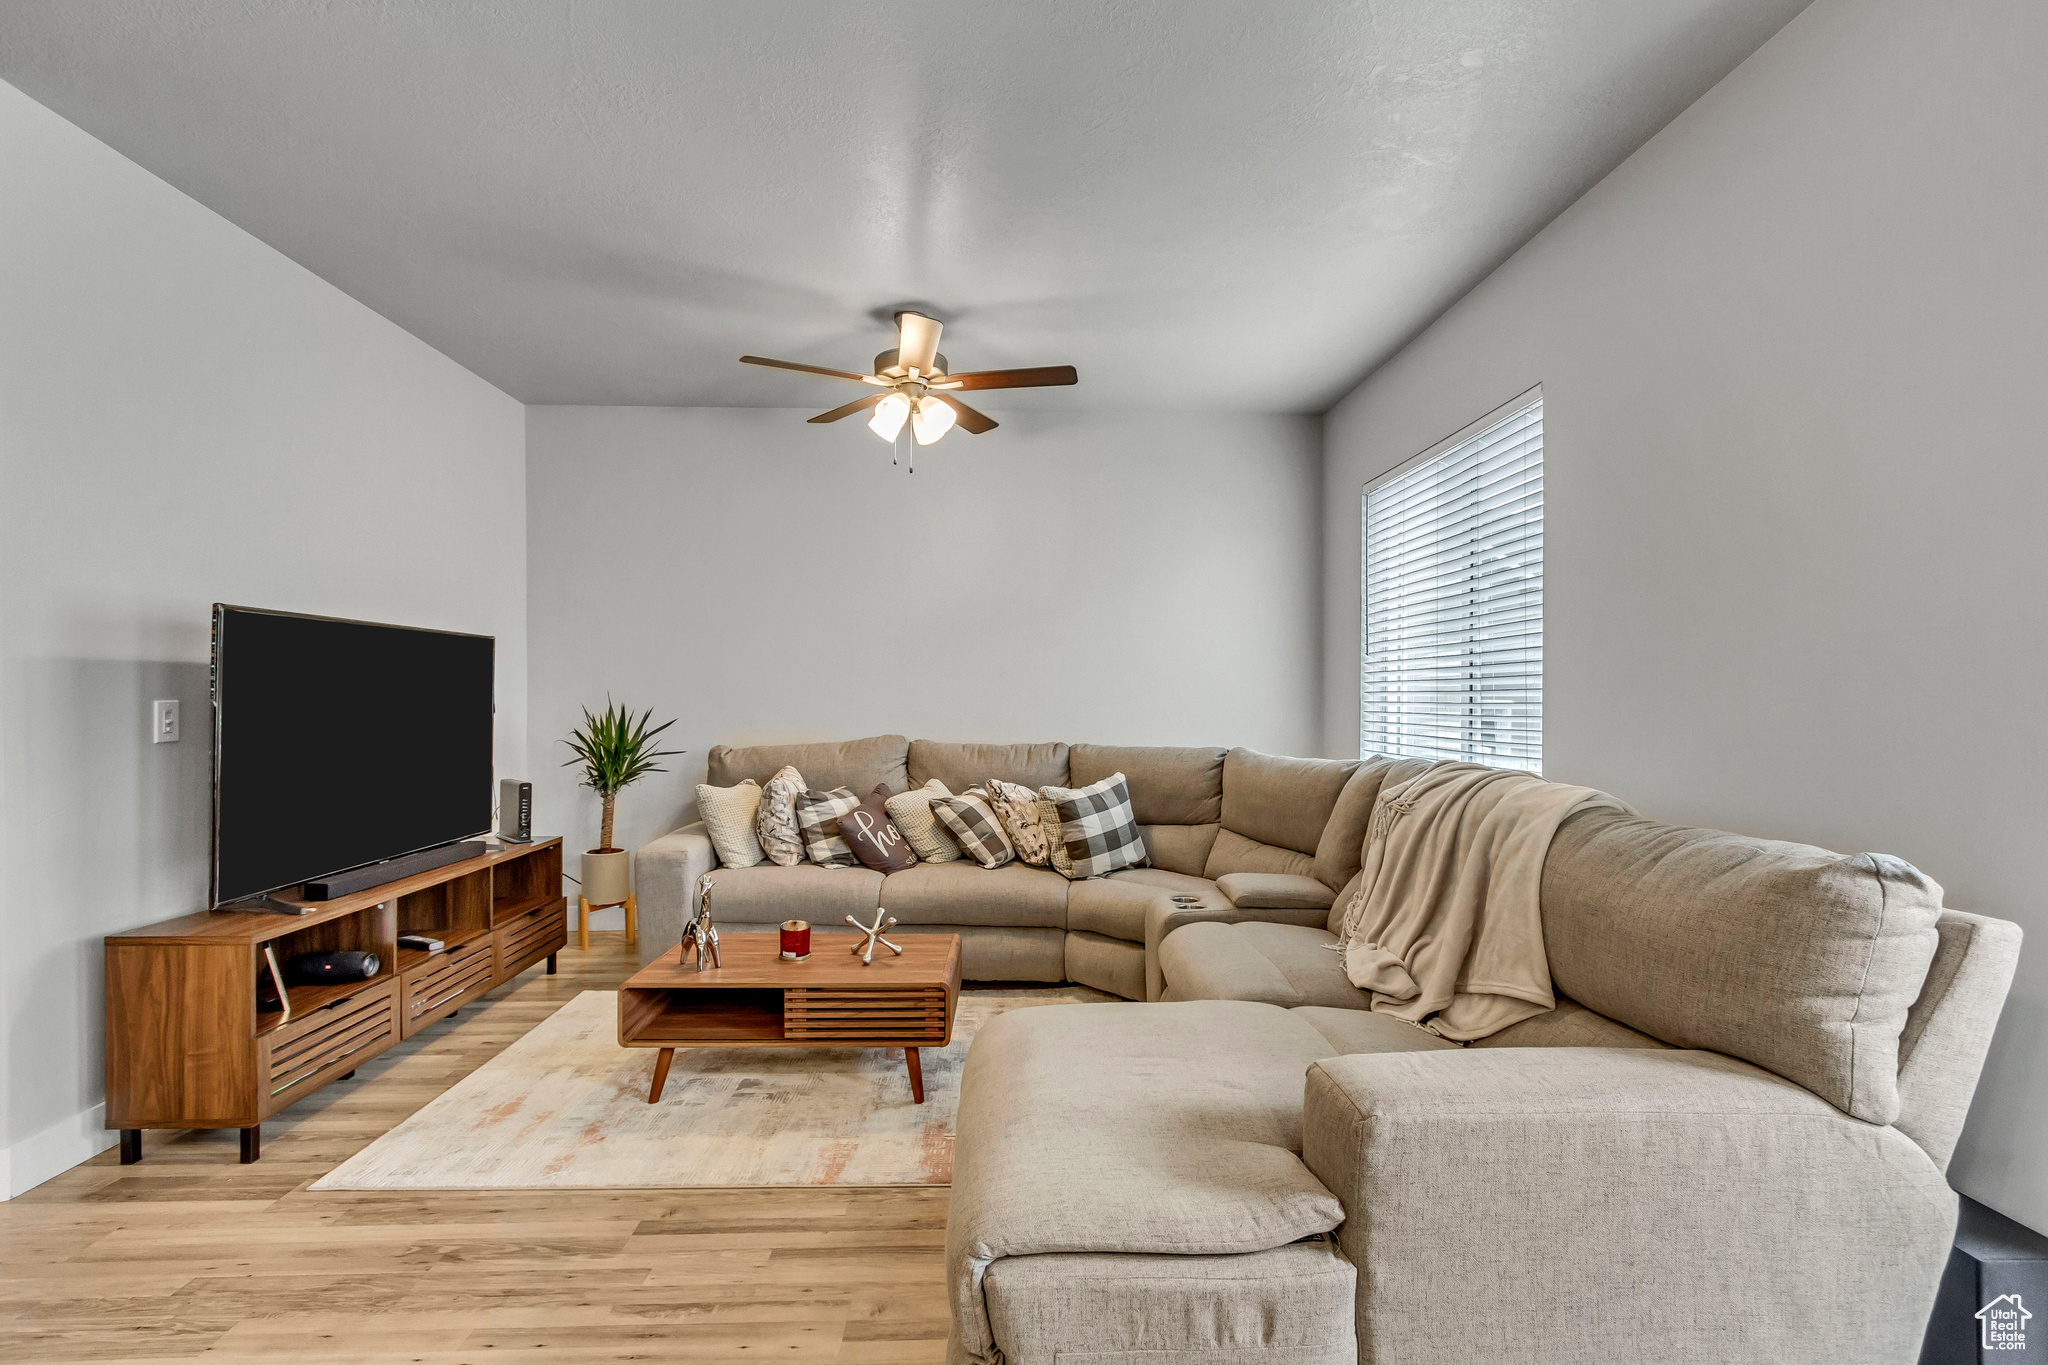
x=189 y=1045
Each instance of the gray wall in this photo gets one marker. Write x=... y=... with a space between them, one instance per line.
x=186 y=416
x=1791 y=355
x=1142 y=579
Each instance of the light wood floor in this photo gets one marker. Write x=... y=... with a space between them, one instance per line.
x=190 y=1254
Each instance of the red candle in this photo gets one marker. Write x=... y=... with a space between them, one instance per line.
x=796 y=940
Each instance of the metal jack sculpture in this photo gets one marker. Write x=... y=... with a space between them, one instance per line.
x=865 y=950
x=700 y=934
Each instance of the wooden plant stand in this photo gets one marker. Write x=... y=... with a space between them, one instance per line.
x=584 y=907
x=188 y=1046
x=755 y=999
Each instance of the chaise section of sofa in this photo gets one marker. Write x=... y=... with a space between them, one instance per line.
x=1128 y=1186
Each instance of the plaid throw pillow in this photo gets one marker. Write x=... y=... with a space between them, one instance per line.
x=1092 y=829
x=974 y=825
x=817 y=815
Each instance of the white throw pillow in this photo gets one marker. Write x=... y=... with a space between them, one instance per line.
x=912 y=813
x=728 y=814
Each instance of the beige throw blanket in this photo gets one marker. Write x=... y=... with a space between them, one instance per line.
x=1446 y=929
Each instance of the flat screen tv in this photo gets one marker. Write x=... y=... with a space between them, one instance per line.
x=337 y=744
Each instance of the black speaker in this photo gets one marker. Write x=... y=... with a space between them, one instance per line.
x=325 y=969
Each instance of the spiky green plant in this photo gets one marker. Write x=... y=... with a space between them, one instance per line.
x=616 y=751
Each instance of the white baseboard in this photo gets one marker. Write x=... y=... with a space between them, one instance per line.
x=55 y=1150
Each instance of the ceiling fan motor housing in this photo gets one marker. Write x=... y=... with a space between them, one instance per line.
x=886 y=364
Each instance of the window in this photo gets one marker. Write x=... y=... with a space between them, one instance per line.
x=1451 y=643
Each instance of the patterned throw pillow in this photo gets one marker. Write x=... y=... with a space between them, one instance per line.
x=781 y=839
x=973 y=822
x=728 y=815
x=1017 y=808
x=1092 y=828
x=817 y=815
x=912 y=812
x=1055 y=848
x=874 y=839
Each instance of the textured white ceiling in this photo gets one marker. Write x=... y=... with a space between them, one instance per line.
x=1201 y=205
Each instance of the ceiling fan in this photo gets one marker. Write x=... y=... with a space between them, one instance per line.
x=917 y=387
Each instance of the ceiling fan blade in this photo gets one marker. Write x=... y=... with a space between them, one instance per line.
x=807 y=369
x=917 y=341
x=1043 y=377
x=972 y=422
x=850 y=409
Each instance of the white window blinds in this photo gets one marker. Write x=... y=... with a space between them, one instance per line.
x=1452 y=640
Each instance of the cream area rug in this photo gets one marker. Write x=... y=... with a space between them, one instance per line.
x=566 y=1107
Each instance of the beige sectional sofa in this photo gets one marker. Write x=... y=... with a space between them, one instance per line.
x=1727 y=1143
x=1256 y=837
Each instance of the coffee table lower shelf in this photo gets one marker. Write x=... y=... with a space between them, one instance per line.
x=753 y=999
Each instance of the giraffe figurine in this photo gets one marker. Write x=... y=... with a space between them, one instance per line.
x=865 y=950
x=700 y=934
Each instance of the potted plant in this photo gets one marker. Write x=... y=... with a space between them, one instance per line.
x=616 y=751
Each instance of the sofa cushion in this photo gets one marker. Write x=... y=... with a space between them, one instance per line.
x=1293 y=1305
x=1094 y=827
x=1168 y=786
x=966 y=893
x=817 y=816
x=1208 y=961
x=768 y=894
x=961 y=766
x=1278 y=964
x=912 y=812
x=1232 y=852
x=1017 y=808
x=1274 y=891
x=728 y=814
x=857 y=764
x=873 y=836
x=1352 y=1031
x=1180 y=848
x=974 y=825
x=775 y=825
x=1281 y=801
x=1342 y=847
x=1115 y=905
x=1802 y=961
x=1569 y=1025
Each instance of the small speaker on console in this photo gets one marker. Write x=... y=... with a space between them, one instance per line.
x=515 y=811
x=325 y=969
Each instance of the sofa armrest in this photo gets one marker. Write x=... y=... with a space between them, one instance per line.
x=1163 y=916
x=1615 y=1203
x=665 y=886
x=1274 y=891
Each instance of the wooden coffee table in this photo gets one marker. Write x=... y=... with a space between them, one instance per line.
x=755 y=999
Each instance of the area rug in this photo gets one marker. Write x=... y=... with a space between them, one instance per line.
x=565 y=1107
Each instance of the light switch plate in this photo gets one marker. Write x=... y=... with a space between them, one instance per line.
x=164 y=723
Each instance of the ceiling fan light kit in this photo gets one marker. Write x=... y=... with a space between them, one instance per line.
x=918 y=385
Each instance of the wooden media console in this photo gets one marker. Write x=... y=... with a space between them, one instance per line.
x=189 y=1046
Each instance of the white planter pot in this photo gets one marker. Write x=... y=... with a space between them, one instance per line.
x=607 y=877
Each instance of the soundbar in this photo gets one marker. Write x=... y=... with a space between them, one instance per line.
x=391 y=869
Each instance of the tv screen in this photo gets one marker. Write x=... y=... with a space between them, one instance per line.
x=342 y=743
